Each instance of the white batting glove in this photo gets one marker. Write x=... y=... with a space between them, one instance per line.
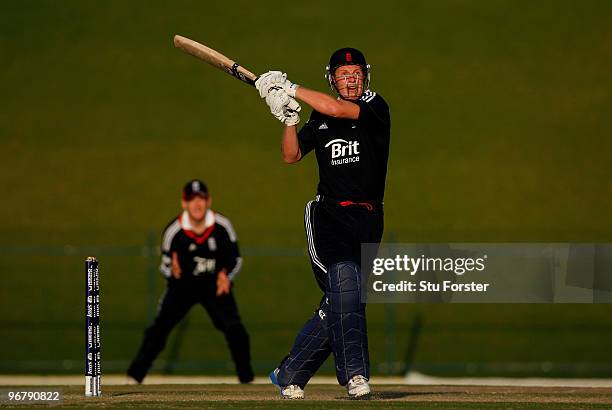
x=288 y=117
x=267 y=81
x=286 y=85
x=283 y=108
x=293 y=105
x=291 y=118
x=289 y=87
x=274 y=79
x=278 y=99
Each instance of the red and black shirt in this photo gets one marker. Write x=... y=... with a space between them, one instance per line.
x=200 y=256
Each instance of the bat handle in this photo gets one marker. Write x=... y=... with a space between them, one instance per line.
x=238 y=74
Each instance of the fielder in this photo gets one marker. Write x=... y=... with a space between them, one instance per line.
x=350 y=137
x=200 y=258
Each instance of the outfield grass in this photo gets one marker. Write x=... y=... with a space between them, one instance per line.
x=500 y=132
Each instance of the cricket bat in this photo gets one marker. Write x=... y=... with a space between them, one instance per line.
x=215 y=59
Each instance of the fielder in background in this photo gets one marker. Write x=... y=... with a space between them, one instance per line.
x=200 y=259
x=350 y=137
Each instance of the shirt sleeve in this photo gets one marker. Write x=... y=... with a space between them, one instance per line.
x=230 y=258
x=373 y=110
x=167 y=247
x=308 y=133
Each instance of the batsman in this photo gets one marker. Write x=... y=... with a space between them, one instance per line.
x=350 y=136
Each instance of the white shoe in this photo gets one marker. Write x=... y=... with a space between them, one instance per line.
x=293 y=391
x=358 y=387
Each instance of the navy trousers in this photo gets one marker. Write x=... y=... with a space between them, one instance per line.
x=338 y=326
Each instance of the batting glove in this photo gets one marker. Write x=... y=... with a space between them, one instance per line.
x=278 y=100
x=283 y=108
x=286 y=85
x=289 y=87
x=268 y=81
x=288 y=117
x=291 y=118
x=275 y=79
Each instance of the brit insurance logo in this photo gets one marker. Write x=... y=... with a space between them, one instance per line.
x=343 y=151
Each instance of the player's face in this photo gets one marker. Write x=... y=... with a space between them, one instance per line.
x=349 y=81
x=196 y=207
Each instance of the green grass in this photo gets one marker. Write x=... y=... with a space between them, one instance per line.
x=500 y=132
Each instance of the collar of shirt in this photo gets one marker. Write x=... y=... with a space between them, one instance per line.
x=209 y=220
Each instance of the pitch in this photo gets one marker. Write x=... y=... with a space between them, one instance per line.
x=334 y=397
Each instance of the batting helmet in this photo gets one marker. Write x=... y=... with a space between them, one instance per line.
x=346 y=56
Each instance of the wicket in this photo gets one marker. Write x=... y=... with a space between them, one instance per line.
x=93 y=372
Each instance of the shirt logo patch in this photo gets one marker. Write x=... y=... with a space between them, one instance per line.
x=192 y=247
x=323 y=126
x=343 y=151
x=203 y=265
x=212 y=244
x=368 y=96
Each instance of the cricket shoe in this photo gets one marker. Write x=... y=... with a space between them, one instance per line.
x=293 y=391
x=358 y=387
x=131 y=381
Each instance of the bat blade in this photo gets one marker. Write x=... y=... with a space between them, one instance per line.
x=214 y=58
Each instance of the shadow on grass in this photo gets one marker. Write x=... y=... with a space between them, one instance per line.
x=127 y=393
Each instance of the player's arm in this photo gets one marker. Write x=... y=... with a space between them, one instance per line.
x=280 y=96
x=229 y=256
x=326 y=104
x=290 y=147
x=227 y=243
x=165 y=266
x=285 y=109
x=170 y=266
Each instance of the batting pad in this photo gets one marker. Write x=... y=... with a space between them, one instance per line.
x=346 y=322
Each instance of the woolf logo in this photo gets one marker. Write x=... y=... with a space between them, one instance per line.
x=343 y=151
